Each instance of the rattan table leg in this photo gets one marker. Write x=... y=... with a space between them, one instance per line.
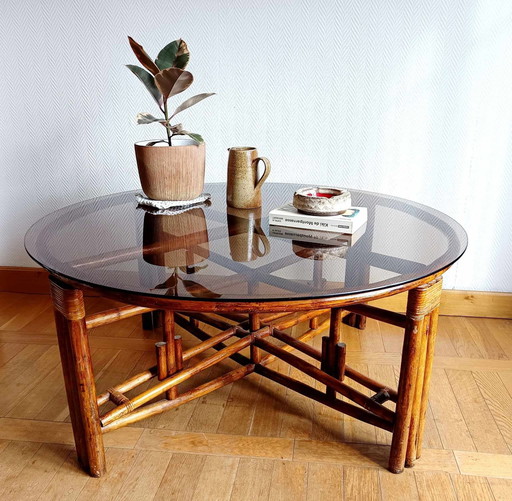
x=329 y=348
x=254 y=325
x=418 y=391
x=168 y=328
x=426 y=379
x=416 y=366
x=406 y=389
x=147 y=321
x=78 y=376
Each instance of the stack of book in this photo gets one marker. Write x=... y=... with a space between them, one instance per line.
x=348 y=222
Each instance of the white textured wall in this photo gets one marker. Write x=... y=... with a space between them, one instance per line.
x=408 y=97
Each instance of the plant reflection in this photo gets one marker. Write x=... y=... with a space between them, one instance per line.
x=179 y=242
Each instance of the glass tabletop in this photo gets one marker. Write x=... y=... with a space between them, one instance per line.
x=216 y=253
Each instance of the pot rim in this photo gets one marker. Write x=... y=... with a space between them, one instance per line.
x=189 y=142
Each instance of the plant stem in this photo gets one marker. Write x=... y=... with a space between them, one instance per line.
x=167 y=125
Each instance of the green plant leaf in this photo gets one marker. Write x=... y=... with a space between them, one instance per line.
x=195 y=137
x=175 y=55
x=143 y=56
x=190 y=102
x=148 y=118
x=148 y=80
x=183 y=56
x=172 y=81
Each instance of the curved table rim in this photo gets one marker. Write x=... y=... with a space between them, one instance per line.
x=267 y=304
x=258 y=306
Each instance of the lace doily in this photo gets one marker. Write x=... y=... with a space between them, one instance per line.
x=170 y=207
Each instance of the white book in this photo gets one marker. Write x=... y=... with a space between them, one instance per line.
x=317 y=237
x=348 y=222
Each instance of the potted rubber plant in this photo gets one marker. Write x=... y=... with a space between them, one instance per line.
x=171 y=168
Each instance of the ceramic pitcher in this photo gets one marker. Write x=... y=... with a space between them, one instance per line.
x=243 y=186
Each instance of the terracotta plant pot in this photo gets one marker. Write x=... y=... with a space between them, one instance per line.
x=171 y=172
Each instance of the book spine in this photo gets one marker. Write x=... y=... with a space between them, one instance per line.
x=300 y=237
x=312 y=224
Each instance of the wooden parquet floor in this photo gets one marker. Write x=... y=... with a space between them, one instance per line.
x=254 y=440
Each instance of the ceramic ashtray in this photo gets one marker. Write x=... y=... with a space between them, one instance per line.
x=321 y=200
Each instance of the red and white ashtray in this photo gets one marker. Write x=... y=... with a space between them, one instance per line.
x=322 y=200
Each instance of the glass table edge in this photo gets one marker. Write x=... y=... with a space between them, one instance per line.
x=332 y=297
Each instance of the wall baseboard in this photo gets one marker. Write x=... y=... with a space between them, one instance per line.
x=457 y=303
x=26 y=280
x=454 y=302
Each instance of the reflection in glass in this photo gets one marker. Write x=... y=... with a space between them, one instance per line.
x=247 y=240
x=109 y=242
x=318 y=245
x=179 y=242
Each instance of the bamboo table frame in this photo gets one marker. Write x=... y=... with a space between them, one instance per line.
x=257 y=323
x=247 y=306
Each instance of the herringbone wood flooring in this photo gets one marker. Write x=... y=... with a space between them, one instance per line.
x=254 y=440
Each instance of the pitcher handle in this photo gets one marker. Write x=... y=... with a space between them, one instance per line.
x=261 y=237
x=262 y=179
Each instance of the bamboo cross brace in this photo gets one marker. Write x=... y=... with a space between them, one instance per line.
x=164 y=405
x=297 y=344
x=349 y=372
x=117 y=397
x=115 y=314
x=178 y=378
x=208 y=319
x=294 y=319
x=146 y=375
x=216 y=341
x=209 y=341
x=334 y=403
x=309 y=334
x=193 y=329
x=285 y=319
x=200 y=334
x=237 y=317
x=329 y=381
x=380 y=314
x=269 y=317
x=129 y=384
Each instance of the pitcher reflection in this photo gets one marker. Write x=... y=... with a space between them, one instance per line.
x=247 y=240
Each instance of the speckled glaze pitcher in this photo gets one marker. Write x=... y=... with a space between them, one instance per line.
x=243 y=186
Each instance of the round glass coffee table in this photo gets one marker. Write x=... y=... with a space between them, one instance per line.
x=226 y=268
